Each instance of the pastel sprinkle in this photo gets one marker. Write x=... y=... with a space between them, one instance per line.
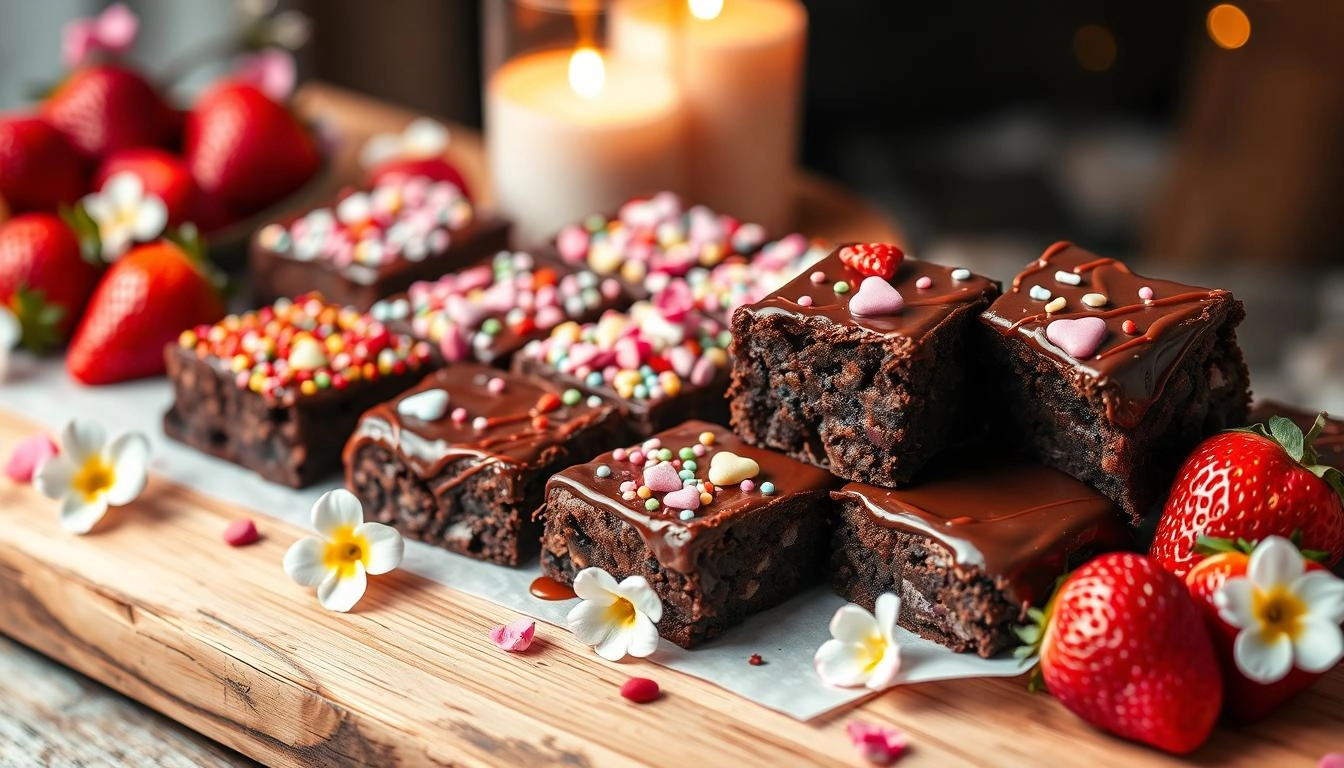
x=643 y=492
x=767 y=488
x=495 y=385
x=1095 y=300
x=619 y=454
x=651 y=504
x=683 y=498
x=603 y=470
x=686 y=514
x=804 y=301
x=1130 y=327
x=241 y=532
x=841 y=287
x=924 y=283
x=706 y=438
x=594 y=401
x=747 y=486
x=571 y=397
x=1068 y=278
x=1039 y=293
x=1146 y=293
x=459 y=415
x=961 y=274
x=480 y=422
x=817 y=277
x=1056 y=305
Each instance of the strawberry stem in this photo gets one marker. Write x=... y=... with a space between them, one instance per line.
x=1301 y=447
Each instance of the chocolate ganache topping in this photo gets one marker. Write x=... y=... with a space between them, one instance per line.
x=1149 y=324
x=674 y=532
x=474 y=413
x=929 y=292
x=1017 y=522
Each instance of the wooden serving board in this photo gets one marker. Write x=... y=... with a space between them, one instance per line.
x=155 y=605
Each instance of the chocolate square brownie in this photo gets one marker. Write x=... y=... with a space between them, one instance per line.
x=373 y=243
x=969 y=550
x=279 y=389
x=720 y=529
x=1111 y=376
x=461 y=460
x=864 y=376
x=489 y=310
x=661 y=363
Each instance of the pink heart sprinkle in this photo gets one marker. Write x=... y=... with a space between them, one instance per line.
x=1079 y=338
x=686 y=498
x=662 y=477
x=1332 y=760
x=241 y=532
x=516 y=636
x=876 y=297
x=29 y=454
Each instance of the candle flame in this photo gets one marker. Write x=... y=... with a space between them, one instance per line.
x=587 y=72
x=706 y=9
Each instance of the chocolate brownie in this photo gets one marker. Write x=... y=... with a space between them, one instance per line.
x=373 y=243
x=461 y=460
x=489 y=310
x=969 y=550
x=1329 y=442
x=864 y=376
x=660 y=363
x=720 y=529
x=279 y=389
x=1114 y=377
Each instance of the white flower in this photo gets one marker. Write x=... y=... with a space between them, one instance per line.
x=338 y=563
x=10 y=333
x=864 y=651
x=125 y=214
x=1287 y=617
x=90 y=474
x=423 y=138
x=618 y=619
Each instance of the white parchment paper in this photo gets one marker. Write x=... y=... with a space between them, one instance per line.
x=786 y=637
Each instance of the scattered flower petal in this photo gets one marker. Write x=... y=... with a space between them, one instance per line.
x=863 y=651
x=241 y=532
x=350 y=550
x=91 y=474
x=640 y=690
x=515 y=636
x=879 y=745
x=617 y=619
x=29 y=454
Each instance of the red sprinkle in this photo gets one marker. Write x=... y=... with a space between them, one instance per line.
x=640 y=690
x=540 y=422
x=755 y=660
x=548 y=402
x=1129 y=327
x=241 y=532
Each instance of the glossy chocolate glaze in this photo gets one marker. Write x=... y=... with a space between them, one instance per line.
x=1130 y=368
x=1017 y=522
x=513 y=437
x=675 y=542
x=1329 y=444
x=924 y=308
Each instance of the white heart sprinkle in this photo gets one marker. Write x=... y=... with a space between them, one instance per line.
x=429 y=405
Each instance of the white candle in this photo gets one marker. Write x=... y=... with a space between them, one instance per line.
x=740 y=65
x=570 y=135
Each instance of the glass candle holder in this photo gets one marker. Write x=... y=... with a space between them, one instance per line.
x=572 y=129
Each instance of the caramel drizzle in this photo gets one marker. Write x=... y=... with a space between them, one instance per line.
x=1043 y=263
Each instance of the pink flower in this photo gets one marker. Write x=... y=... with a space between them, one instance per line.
x=29 y=454
x=879 y=745
x=271 y=71
x=515 y=636
x=112 y=31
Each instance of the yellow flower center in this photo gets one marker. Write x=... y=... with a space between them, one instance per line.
x=344 y=550
x=621 y=612
x=876 y=648
x=1279 y=612
x=93 y=479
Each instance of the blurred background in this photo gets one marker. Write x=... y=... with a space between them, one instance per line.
x=1200 y=140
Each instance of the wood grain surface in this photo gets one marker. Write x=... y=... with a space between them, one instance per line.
x=154 y=605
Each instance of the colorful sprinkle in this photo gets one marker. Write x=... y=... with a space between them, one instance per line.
x=1039 y=293
x=804 y=301
x=495 y=385
x=686 y=514
x=755 y=660
x=841 y=287
x=1146 y=293
x=1068 y=278
x=571 y=397
x=961 y=274
x=459 y=415
x=747 y=486
x=767 y=488
x=706 y=438
x=923 y=283
x=1056 y=305
x=640 y=690
x=818 y=277
x=651 y=504
x=1130 y=327
x=619 y=454
x=1095 y=300
x=479 y=423
x=603 y=470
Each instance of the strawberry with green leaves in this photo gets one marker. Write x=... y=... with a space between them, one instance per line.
x=1249 y=484
x=1123 y=646
x=45 y=279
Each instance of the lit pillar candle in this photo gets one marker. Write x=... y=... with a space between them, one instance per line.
x=740 y=66
x=570 y=134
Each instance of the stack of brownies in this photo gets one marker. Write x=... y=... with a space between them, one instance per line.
x=897 y=426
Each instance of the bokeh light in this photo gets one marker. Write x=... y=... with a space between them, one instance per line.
x=1094 y=47
x=1229 y=27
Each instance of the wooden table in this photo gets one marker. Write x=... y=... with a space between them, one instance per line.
x=156 y=607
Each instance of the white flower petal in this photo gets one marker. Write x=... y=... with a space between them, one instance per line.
x=884 y=674
x=10 y=330
x=81 y=439
x=1262 y=660
x=888 y=613
x=99 y=208
x=55 y=477
x=852 y=624
x=114 y=241
x=1323 y=593
x=615 y=645
x=337 y=593
x=589 y=622
x=150 y=219
x=643 y=637
x=337 y=509
x=636 y=589
x=1236 y=602
x=305 y=561
x=596 y=585
x=1318 y=646
x=129 y=457
x=386 y=547
x=78 y=515
x=842 y=664
x=1274 y=561
x=124 y=190
x=424 y=137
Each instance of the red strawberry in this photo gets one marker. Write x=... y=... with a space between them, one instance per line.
x=1124 y=648
x=148 y=297
x=878 y=259
x=39 y=169
x=1245 y=700
x=246 y=149
x=1251 y=484
x=44 y=278
x=104 y=108
x=163 y=175
x=432 y=168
